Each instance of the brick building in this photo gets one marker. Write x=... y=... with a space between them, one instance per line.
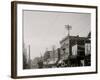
x=73 y=48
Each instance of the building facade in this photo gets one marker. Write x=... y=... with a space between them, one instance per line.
x=73 y=50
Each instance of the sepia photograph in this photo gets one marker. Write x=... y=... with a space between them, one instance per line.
x=56 y=39
x=53 y=39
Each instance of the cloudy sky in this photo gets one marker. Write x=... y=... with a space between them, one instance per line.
x=42 y=30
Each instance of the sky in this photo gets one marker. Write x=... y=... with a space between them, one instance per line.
x=44 y=29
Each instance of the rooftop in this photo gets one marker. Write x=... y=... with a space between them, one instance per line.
x=72 y=37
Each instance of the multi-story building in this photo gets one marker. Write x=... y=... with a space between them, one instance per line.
x=78 y=53
x=51 y=58
x=74 y=51
x=70 y=42
x=88 y=50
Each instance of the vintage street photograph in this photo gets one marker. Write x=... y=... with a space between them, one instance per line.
x=53 y=39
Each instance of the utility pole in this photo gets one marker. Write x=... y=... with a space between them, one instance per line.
x=68 y=27
x=53 y=52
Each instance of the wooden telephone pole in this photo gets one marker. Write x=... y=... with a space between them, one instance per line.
x=68 y=27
